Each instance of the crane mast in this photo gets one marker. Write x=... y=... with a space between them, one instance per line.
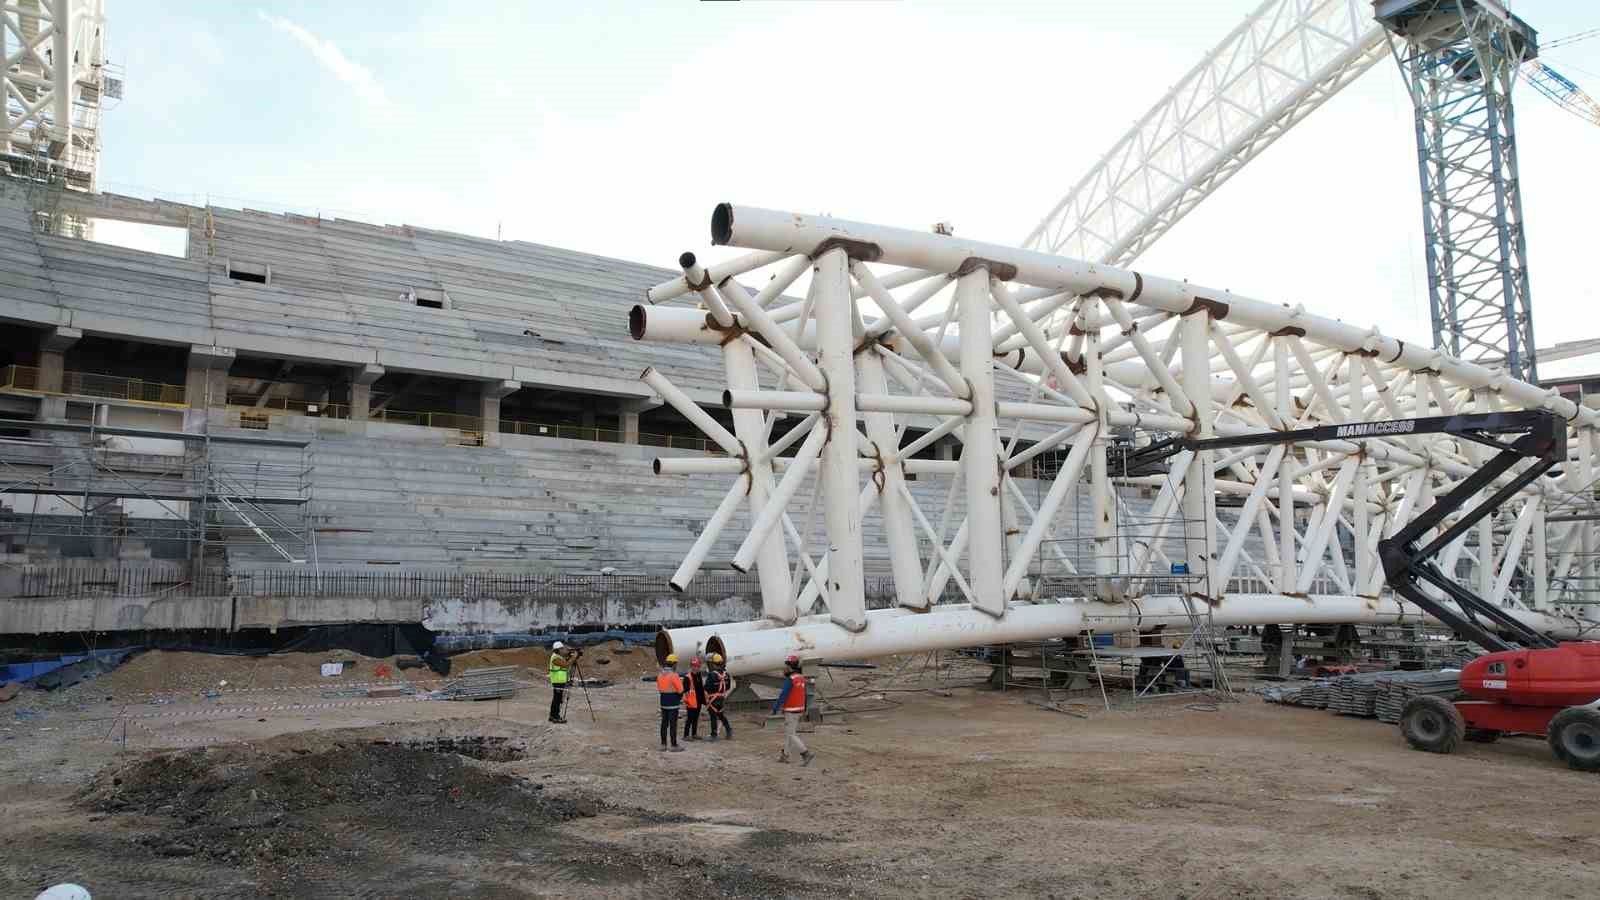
x=1459 y=60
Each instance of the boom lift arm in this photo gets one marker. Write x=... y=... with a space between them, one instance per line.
x=1540 y=436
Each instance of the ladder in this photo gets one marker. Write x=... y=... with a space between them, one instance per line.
x=260 y=532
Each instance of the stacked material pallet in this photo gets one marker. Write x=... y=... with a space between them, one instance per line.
x=1368 y=694
x=1399 y=687
x=483 y=684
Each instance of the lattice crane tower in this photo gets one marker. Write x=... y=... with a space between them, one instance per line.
x=1460 y=59
x=55 y=82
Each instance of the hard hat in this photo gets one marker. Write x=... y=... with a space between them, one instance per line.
x=63 y=892
x=672 y=659
x=558 y=646
x=694 y=661
x=716 y=658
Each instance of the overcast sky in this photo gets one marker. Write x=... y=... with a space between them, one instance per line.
x=615 y=127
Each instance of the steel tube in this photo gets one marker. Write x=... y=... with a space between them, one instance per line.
x=980 y=464
x=708 y=537
x=690 y=410
x=954 y=626
x=784 y=401
x=835 y=315
x=750 y=427
x=677 y=287
x=673 y=324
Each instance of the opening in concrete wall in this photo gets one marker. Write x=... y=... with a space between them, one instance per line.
x=167 y=240
x=251 y=272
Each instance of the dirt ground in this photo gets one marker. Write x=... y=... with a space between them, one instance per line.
x=929 y=786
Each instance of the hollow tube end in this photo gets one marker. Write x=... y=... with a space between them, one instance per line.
x=686 y=260
x=636 y=319
x=663 y=646
x=727 y=399
x=722 y=224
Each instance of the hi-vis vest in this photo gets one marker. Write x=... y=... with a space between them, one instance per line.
x=558 y=669
x=669 y=685
x=796 y=701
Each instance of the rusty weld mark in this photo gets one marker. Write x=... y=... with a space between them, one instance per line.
x=1400 y=350
x=1217 y=308
x=1138 y=287
x=1073 y=329
x=864 y=251
x=705 y=281
x=878 y=467
x=1288 y=331
x=1105 y=293
x=1076 y=368
x=1196 y=595
x=1361 y=352
x=1001 y=270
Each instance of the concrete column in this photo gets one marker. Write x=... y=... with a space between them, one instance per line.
x=206 y=381
x=489 y=408
x=53 y=346
x=361 y=381
x=628 y=412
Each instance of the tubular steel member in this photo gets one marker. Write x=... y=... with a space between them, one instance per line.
x=1223 y=395
x=953 y=626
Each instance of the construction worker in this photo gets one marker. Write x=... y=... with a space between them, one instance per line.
x=694 y=698
x=792 y=700
x=669 y=685
x=718 y=684
x=560 y=678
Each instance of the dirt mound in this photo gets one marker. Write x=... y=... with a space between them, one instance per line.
x=171 y=671
x=263 y=810
x=612 y=659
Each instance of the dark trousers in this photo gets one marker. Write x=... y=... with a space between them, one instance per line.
x=717 y=715
x=669 y=726
x=691 y=723
x=558 y=696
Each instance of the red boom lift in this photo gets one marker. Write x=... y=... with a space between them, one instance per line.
x=1534 y=686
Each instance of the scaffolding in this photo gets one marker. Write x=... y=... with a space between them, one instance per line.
x=1146 y=554
x=105 y=490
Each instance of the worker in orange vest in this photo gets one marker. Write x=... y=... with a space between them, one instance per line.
x=792 y=700
x=694 y=698
x=718 y=684
x=669 y=685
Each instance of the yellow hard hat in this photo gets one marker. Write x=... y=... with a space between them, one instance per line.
x=716 y=657
x=672 y=658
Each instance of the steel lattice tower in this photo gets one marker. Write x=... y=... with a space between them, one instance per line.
x=1459 y=59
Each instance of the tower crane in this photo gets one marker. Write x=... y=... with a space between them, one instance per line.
x=1285 y=60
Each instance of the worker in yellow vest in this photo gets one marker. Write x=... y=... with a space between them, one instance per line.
x=792 y=700
x=561 y=656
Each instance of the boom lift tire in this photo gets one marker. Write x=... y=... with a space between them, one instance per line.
x=1575 y=737
x=1433 y=724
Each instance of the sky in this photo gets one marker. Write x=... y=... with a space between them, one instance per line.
x=614 y=128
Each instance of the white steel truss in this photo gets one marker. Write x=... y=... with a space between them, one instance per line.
x=54 y=82
x=897 y=323
x=1286 y=59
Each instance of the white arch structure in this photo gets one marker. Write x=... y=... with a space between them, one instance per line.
x=989 y=339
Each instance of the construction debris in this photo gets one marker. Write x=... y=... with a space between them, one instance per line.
x=482 y=684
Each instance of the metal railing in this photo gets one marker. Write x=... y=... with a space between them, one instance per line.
x=25 y=379
x=246 y=406
x=72 y=581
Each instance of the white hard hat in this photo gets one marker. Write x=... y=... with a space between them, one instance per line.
x=64 y=892
x=559 y=646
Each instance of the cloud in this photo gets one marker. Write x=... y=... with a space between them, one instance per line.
x=358 y=77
